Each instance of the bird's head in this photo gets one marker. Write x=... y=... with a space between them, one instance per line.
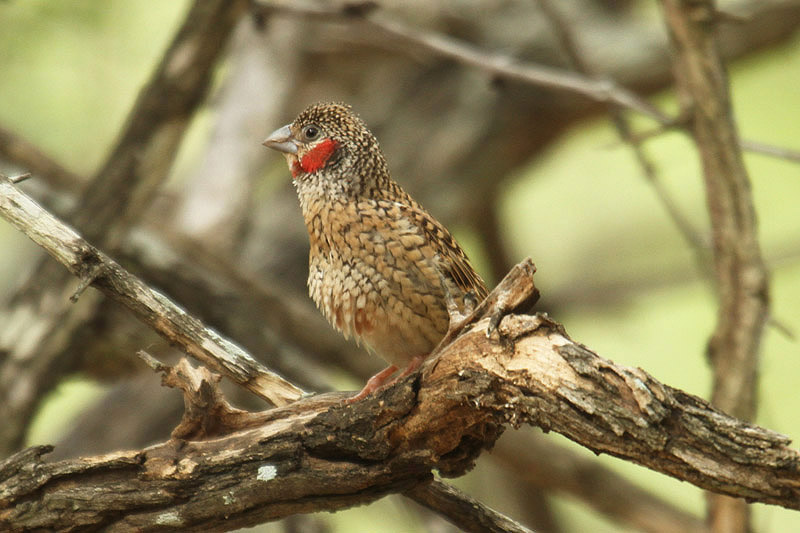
x=330 y=140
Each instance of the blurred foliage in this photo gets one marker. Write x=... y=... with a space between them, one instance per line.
x=71 y=70
x=583 y=211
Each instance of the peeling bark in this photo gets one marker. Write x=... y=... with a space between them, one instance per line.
x=320 y=454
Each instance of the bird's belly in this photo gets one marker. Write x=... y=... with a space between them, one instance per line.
x=382 y=306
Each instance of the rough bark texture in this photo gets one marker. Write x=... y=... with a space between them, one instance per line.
x=319 y=454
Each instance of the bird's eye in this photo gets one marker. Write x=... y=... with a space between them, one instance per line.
x=311 y=132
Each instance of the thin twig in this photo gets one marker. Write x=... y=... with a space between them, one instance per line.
x=771 y=150
x=571 y=48
x=497 y=65
x=87 y=279
x=150 y=361
x=466 y=512
x=20 y=178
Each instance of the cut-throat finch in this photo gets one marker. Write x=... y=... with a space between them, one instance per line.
x=381 y=268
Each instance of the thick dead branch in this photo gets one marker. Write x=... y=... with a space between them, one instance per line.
x=154 y=309
x=740 y=274
x=206 y=285
x=526 y=371
x=320 y=454
x=192 y=437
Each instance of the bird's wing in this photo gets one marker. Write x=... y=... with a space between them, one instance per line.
x=456 y=265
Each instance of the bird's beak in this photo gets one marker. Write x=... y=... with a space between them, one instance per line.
x=282 y=141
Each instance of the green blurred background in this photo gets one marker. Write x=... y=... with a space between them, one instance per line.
x=71 y=71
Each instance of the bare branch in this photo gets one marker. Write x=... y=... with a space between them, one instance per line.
x=320 y=454
x=570 y=46
x=742 y=279
x=20 y=178
x=149 y=306
x=496 y=65
x=100 y=272
x=207 y=285
x=529 y=372
x=771 y=150
x=467 y=513
x=32 y=340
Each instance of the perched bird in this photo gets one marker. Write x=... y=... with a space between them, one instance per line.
x=381 y=269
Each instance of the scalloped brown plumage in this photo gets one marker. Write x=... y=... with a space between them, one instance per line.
x=381 y=268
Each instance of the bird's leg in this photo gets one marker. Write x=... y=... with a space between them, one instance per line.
x=374 y=383
x=381 y=379
x=413 y=365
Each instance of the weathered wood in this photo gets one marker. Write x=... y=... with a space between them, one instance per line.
x=151 y=307
x=320 y=454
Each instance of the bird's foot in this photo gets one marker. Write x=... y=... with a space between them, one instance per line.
x=374 y=383
x=384 y=378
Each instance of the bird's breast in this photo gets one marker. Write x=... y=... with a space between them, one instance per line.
x=374 y=279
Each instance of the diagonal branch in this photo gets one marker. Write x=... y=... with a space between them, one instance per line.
x=496 y=65
x=324 y=455
x=39 y=320
x=470 y=515
x=95 y=268
x=320 y=454
x=275 y=311
x=569 y=44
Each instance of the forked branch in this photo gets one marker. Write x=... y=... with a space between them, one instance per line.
x=319 y=454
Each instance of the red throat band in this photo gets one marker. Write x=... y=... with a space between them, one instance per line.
x=316 y=158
